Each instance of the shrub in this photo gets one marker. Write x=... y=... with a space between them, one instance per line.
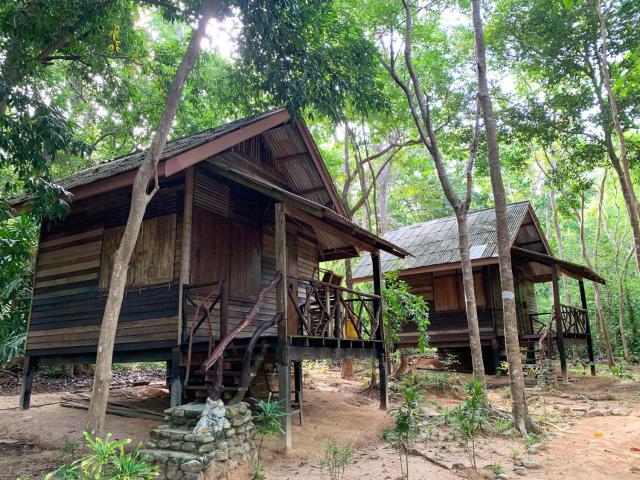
x=267 y=420
x=406 y=427
x=106 y=460
x=336 y=458
x=471 y=415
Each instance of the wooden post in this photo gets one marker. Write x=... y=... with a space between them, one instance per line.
x=177 y=379
x=282 y=352
x=557 y=313
x=27 y=381
x=496 y=356
x=382 y=347
x=583 y=298
x=337 y=327
x=185 y=245
x=297 y=375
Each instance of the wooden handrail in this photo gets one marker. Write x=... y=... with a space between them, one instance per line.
x=198 y=324
x=224 y=342
x=336 y=287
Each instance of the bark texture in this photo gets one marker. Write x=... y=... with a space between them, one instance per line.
x=519 y=409
x=140 y=198
x=420 y=108
x=619 y=162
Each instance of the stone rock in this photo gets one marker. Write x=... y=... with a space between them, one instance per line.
x=172 y=469
x=192 y=466
x=535 y=448
x=529 y=463
x=213 y=418
x=207 y=448
x=502 y=476
x=522 y=471
x=189 y=447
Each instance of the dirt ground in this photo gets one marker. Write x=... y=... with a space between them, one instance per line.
x=593 y=425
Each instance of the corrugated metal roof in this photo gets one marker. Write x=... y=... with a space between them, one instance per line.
x=436 y=242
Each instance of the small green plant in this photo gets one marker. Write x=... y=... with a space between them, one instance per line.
x=532 y=439
x=406 y=427
x=621 y=371
x=106 y=460
x=504 y=367
x=496 y=468
x=336 y=458
x=450 y=362
x=470 y=416
x=267 y=420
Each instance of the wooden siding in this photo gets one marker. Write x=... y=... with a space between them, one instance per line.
x=152 y=261
x=68 y=303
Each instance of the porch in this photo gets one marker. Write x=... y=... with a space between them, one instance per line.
x=565 y=324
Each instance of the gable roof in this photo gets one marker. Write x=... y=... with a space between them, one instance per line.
x=302 y=176
x=291 y=141
x=435 y=242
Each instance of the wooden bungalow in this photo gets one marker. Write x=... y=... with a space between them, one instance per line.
x=225 y=283
x=433 y=271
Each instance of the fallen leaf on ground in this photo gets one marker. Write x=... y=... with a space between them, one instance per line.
x=598 y=434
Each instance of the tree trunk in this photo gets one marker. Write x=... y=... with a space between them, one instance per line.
x=620 y=165
x=604 y=325
x=558 y=235
x=419 y=106
x=622 y=275
x=140 y=198
x=519 y=409
x=470 y=298
x=383 y=198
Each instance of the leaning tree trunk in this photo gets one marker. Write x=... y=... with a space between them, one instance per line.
x=519 y=410
x=140 y=198
x=621 y=164
x=604 y=325
x=470 y=297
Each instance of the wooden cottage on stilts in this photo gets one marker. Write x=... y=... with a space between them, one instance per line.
x=225 y=283
x=434 y=271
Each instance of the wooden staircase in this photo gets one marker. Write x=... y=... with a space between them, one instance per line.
x=225 y=368
x=199 y=385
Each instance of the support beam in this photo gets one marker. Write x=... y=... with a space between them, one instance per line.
x=27 y=381
x=185 y=245
x=382 y=347
x=282 y=350
x=297 y=375
x=177 y=378
x=317 y=223
x=557 y=313
x=496 y=356
x=583 y=298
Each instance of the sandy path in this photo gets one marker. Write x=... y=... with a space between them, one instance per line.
x=584 y=454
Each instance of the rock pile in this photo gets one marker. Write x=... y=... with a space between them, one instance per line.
x=222 y=441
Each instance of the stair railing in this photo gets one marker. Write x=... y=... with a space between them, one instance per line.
x=245 y=376
x=216 y=355
x=205 y=304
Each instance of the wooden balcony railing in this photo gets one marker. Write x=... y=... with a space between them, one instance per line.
x=574 y=321
x=332 y=311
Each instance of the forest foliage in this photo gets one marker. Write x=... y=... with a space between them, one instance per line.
x=83 y=82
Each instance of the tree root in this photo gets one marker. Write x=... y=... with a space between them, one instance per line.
x=418 y=453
